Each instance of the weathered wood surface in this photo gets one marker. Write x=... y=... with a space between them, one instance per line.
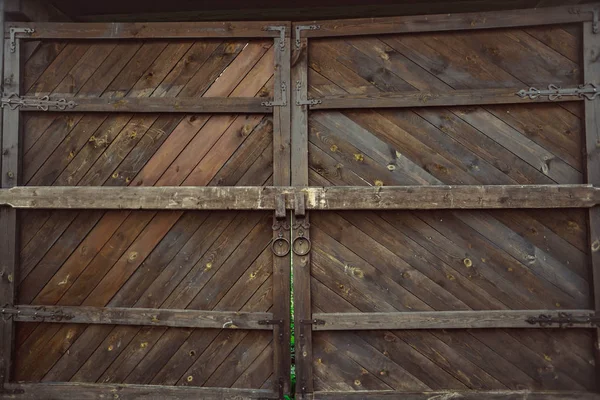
x=474 y=395
x=324 y=198
x=147 y=317
x=494 y=319
x=450 y=22
x=431 y=99
x=147 y=30
x=84 y=391
x=205 y=105
x=591 y=70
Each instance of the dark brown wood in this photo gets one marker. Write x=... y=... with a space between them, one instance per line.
x=146 y=317
x=328 y=198
x=473 y=395
x=35 y=10
x=148 y=30
x=450 y=22
x=84 y=391
x=205 y=105
x=9 y=228
x=301 y=264
x=281 y=177
x=431 y=99
x=440 y=320
x=591 y=53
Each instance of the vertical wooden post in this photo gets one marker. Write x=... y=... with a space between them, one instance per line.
x=591 y=73
x=301 y=264
x=281 y=177
x=11 y=171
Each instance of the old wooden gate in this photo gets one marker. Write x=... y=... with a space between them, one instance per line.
x=429 y=180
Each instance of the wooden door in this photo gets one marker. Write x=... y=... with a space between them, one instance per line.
x=135 y=303
x=445 y=303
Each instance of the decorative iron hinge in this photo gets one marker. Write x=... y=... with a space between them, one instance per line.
x=274 y=322
x=13 y=36
x=564 y=320
x=281 y=30
x=34 y=314
x=302 y=102
x=595 y=17
x=281 y=102
x=588 y=91
x=300 y=28
x=14 y=101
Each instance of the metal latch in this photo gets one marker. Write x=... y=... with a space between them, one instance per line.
x=564 y=320
x=588 y=91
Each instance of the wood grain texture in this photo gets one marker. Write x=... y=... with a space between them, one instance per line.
x=149 y=317
x=496 y=395
x=326 y=198
x=440 y=320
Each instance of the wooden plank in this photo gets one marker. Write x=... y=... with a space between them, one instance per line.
x=85 y=391
x=449 y=22
x=301 y=264
x=429 y=99
x=149 y=30
x=9 y=229
x=591 y=70
x=206 y=105
x=494 y=319
x=281 y=177
x=329 y=198
x=472 y=395
x=147 y=317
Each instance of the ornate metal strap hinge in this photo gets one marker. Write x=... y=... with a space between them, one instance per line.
x=281 y=29
x=564 y=320
x=300 y=101
x=300 y=28
x=39 y=314
x=14 y=101
x=595 y=17
x=13 y=36
x=588 y=91
x=282 y=102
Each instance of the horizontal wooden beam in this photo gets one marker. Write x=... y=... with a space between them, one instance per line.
x=450 y=22
x=430 y=99
x=90 y=391
x=448 y=320
x=147 y=30
x=143 y=317
x=148 y=105
x=317 y=198
x=456 y=395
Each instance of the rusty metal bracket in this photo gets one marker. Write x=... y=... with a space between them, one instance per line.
x=282 y=102
x=45 y=103
x=302 y=102
x=589 y=91
x=300 y=28
x=595 y=17
x=281 y=29
x=13 y=36
x=564 y=320
x=37 y=314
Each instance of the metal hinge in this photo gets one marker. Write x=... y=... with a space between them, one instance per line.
x=274 y=322
x=302 y=102
x=300 y=28
x=588 y=91
x=281 y=30
x=595 y=17
x=34 y=314
x=13 y=36
x=14 y=101
x=564 y=320
x=281 y=102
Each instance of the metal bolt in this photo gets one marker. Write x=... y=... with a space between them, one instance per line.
x=10 y=174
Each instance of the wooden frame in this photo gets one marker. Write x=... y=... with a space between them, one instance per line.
x=324 y=199
x=472 y=395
